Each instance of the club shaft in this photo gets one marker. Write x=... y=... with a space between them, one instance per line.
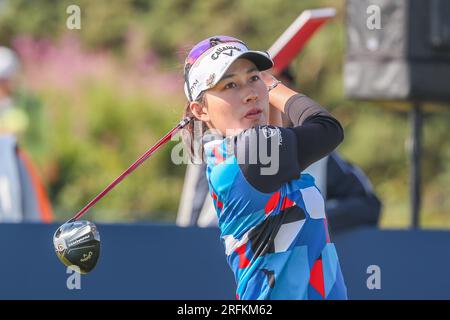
x=136 y=164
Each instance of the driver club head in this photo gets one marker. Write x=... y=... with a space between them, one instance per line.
x=77 y=243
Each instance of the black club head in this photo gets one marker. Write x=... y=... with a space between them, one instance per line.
x=77 y=244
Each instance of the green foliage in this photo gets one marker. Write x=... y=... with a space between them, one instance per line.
x=100 y=138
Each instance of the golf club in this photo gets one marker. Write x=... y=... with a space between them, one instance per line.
x=77 y=242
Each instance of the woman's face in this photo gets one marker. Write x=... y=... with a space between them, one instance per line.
x=237 y=102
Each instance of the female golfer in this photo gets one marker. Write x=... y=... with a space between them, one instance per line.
x=271 y=216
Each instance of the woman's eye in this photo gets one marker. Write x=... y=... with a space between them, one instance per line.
x=230 y=85
x=255 y=78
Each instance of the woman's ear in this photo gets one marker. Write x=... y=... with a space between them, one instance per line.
x=199 y=111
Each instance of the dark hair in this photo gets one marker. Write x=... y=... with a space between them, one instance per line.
x=187 y=133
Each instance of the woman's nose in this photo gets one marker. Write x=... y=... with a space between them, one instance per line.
x=250 y=95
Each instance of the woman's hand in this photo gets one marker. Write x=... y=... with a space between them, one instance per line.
x=279 y=94
x=270 y=81
x=268 y=78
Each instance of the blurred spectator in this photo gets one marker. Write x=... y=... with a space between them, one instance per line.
x=22 y=195
x=13 y=120
x=350 y=200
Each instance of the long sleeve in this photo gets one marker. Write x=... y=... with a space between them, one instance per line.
x=270 y=156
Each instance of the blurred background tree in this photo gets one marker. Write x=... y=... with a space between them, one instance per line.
x=108 y=91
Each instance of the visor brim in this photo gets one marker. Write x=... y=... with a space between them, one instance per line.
x=261 y=60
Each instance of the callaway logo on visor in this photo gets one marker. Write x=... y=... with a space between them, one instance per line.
x=210 y=67
x=224 y=50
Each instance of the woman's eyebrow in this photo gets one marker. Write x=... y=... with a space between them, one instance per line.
x=230 y=75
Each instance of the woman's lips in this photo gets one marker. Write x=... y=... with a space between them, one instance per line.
x=253 y=113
